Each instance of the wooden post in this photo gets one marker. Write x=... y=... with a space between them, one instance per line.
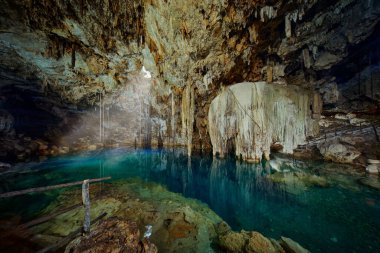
x=86 y=204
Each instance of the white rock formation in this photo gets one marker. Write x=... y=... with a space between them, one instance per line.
x=255 y=115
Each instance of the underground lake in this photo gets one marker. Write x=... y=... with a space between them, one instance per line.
x=323 y=206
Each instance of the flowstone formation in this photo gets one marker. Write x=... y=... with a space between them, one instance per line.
x=247 y=118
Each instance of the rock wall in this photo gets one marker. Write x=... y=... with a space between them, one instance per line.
x=62 y=54
x=253 y=116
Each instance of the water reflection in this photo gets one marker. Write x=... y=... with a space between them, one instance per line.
x=230 y=187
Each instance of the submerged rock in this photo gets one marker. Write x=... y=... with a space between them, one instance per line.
x=259 y=244
x=250 y=117
x=254 y=242
x=298 y=182
x=370 y=181
x=234 y=241
x=291 y=246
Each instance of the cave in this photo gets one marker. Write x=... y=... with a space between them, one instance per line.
x=190 y=126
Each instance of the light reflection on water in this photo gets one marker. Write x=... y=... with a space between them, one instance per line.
x=336 y=216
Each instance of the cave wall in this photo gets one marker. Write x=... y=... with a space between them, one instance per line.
x=73 y=57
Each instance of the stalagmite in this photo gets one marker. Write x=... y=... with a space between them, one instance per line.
x=256 y=115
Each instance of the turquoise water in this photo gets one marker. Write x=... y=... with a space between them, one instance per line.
x=337 y=215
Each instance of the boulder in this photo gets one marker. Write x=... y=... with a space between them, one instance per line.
x=337 y=151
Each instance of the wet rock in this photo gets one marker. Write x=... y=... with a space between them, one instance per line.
x=112 y=235
x=373 y=166
x=291 y=246
x=336 y=151
x=359 y=122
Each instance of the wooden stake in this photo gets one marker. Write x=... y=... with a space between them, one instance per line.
x=46 y=188
x=48 y=217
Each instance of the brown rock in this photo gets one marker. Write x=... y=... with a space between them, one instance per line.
x=112 y=235
x=259 y=244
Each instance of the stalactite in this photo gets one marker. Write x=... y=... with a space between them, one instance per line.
x=73 y=57
x=359 y=80
x=288 y=26
x=256 y=115
x=267 y=12
x=188 y=109
x=82 y=3
x=370 y=72
x=173 y=118
x=306 y=58
x=100 y=117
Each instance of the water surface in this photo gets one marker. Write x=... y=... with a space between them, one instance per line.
x=328 y=212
